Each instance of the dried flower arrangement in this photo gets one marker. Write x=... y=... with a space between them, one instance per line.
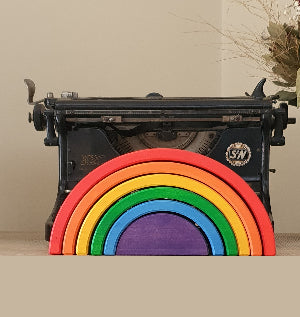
x=276 y=50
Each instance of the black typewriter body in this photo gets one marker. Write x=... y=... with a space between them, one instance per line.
x=237 y=132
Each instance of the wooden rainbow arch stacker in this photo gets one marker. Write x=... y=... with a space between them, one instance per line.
x=162 y=202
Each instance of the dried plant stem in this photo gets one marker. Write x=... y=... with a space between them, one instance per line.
x=277 y=52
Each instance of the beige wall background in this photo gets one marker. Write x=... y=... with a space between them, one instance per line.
x=239 y=76
x=114 y=48
x=94 y=47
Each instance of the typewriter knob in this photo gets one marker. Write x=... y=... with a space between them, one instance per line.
x=38 y=118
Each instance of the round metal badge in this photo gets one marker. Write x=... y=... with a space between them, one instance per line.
x=238 y=154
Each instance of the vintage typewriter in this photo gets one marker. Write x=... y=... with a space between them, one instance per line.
x=237 y=132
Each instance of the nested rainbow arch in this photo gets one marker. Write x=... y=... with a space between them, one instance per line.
x=245 y=227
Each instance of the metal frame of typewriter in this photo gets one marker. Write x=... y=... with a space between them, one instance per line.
x=91 y=131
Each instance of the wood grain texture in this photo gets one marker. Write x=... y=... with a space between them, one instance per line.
x=97 y=211
x=33 y=243
x=162 y=234
x=149 y=207
x=212 y=166
x=114 y=179
x=163 y=192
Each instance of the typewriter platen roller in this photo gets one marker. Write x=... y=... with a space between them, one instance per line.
x=237 y=132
